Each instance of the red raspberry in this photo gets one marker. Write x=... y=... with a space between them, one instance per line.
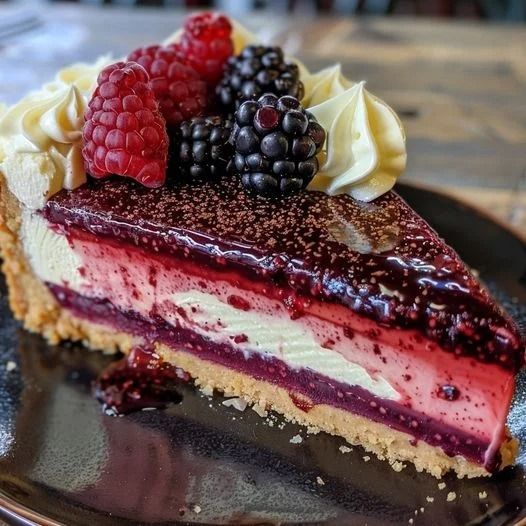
x=125 y=133
x=206 y=45
x=181 y=93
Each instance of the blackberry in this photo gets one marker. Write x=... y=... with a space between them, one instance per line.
x=258 y=70
x=276 y=142
x=201 y=147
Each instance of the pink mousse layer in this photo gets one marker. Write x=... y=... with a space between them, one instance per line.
x=475 y=401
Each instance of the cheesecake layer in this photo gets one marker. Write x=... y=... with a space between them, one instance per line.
x=329 y=355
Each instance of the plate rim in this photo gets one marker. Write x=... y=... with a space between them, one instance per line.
x=27 y=516
x=482 y=212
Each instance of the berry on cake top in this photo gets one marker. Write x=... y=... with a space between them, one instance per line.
x=276 y=142
x=256 y=71
x=210 y=102
x=180 y=91
x=202 y=148
x=125 y=132
x=206 y=44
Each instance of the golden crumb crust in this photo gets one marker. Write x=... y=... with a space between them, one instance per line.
x=386 y=443
x=33 y=304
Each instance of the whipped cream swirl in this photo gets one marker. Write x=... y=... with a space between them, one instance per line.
x=46 y=128
x=44 y=120
x=323 y=85
x=365 y=149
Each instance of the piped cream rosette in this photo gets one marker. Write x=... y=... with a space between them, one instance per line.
x=365 y=148
x=41 y=135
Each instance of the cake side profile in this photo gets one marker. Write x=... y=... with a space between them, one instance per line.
x=210 y=320
x=338 y=307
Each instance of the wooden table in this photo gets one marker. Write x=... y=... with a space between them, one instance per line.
x=460 y=88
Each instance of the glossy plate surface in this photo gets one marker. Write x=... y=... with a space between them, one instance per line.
x=63 y=461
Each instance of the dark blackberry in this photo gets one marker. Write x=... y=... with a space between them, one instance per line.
x=258 y=70
x=201 y=148
x=276 y=142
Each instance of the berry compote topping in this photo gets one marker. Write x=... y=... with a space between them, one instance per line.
x=258 y=70
x=276 y=143
x=125 y=133
x=180 y=91
x=138 y=381
x=379 y=259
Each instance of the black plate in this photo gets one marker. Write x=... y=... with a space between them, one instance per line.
x=201 y=462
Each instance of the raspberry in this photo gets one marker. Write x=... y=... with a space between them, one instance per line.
x=180 y=91
x=125 y=133
x=206 y=45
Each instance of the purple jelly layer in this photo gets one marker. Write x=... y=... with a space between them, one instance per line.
x=306 y=387
x=379 y=259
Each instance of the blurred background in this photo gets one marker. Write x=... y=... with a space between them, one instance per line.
x=512 y=10
x=454 y=70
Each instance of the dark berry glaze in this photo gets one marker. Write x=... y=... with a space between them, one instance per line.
x=306 y=388
x=379 y=259
x=140 y=380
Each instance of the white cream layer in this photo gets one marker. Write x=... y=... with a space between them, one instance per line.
x=281 y=337
x=49 y=254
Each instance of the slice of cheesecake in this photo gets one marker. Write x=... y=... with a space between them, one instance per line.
x=338 y=307
x=352 y=318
